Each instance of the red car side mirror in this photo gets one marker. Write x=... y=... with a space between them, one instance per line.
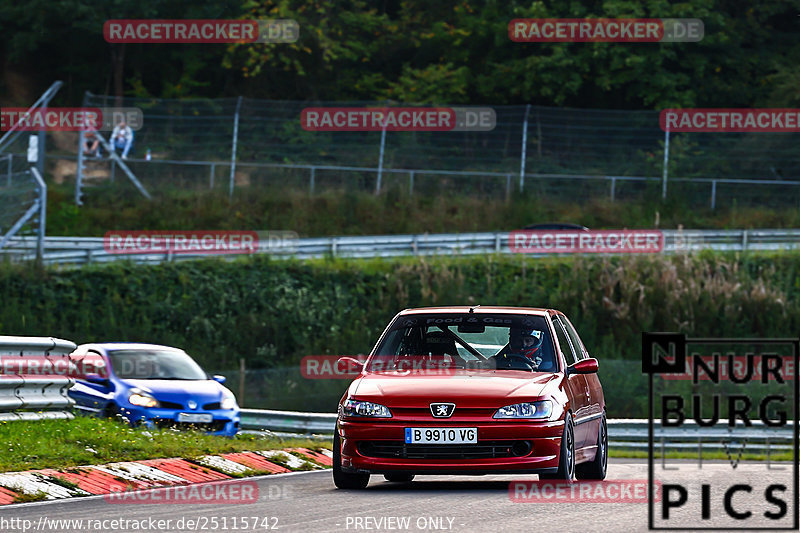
x=585 y=366
x=351 y=363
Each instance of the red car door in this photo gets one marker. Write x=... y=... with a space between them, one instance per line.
x=577 y=385
x=595 y=391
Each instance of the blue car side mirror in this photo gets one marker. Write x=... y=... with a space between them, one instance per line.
x=97 y=379
x=219 y=379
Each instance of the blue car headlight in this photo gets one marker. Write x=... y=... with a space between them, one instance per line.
x=531 y=410
x=140 y=398
x=357 y=408
x=229 y=402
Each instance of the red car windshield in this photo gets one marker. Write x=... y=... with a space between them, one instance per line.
x=471 y=341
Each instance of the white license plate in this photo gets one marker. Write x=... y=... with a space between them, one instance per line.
x=196 y=418
x=441 y=435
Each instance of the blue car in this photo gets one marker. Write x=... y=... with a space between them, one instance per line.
x=152 y=386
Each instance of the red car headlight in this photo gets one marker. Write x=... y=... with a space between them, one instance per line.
x=540 y=410
x=365 y=409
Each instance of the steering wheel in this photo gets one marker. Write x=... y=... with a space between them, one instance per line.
x=515 y=357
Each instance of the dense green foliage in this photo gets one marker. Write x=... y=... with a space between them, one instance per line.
x=416 y=51
x=274 y=312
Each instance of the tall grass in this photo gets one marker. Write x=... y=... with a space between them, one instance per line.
x=339 y=212
x=273 y=313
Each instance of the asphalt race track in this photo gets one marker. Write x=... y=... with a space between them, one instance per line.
x=308 y=502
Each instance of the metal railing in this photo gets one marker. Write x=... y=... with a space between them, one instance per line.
x=83 y=250
x=26 y=396
x=15 y=132
x=628 y=434
x=37 y=205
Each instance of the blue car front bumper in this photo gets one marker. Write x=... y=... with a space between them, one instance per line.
x=223 y=422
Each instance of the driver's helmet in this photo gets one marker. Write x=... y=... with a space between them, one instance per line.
x=526 y=342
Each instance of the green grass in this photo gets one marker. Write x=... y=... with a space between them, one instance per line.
x=23 y=497
x=362 y=213
x=64 y=444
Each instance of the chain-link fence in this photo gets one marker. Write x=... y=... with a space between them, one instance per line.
x=557 y=141
x=23 y=201
x=577 y=154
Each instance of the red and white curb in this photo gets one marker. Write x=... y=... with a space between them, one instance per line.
x=53 y=484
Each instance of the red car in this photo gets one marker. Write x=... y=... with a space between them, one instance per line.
x=473 y=390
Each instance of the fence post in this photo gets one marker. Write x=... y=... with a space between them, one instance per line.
x=42 y=138
x=524 y=146
x=81 y=158
x=380 y=156
x=311 y=182
x=211 y=176
x=508 y=188
x=242 y=371
x=613 y=187
x=42 y=190
x=666 y=164
x=411 y=183
x=113 y=170
x=233 y=150
x=713 y=194
x=10 y=157
x=79 y=169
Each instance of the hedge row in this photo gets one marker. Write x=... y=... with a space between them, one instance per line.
x=274 y=312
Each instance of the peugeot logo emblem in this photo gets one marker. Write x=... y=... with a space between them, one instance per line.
x=442 y=410
x=192 y=404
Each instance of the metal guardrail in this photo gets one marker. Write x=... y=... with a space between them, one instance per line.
x=34 y=397
x=287 y=421
x=631 y=434
x=82 y=250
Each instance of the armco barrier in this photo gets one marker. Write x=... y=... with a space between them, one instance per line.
x=629 y=434
x=82 y=250
x=287 y=421
x=34 y=396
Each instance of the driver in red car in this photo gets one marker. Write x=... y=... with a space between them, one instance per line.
x=522 y=343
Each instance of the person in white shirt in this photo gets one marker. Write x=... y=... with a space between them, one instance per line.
x=122 y=138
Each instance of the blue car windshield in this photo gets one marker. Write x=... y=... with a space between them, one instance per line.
x=155 y=364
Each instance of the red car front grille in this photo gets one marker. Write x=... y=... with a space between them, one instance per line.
x=482 y=450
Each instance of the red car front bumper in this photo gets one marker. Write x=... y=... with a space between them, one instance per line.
x=379 y=447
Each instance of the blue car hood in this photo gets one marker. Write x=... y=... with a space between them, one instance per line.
x=179 y=391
